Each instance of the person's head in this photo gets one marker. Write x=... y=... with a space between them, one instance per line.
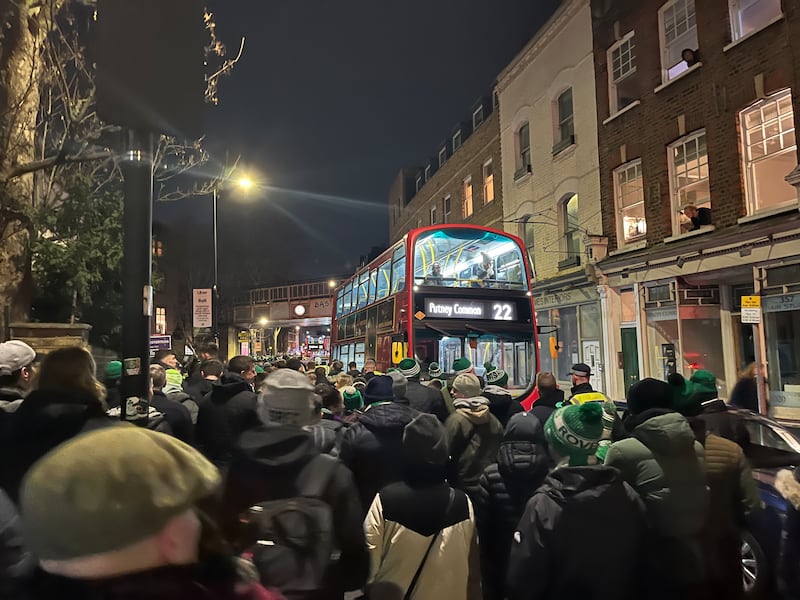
x=485 y=259
x=749 y=372
x=580 y=373
x=410 y=369
x=573 y=433
x=650 y=393
x=434 y=370
x=280 y=363
x=466 y=385
x=295 y=364
x=321 y=373
x=150 y=481
x=701 y=387
x=425 y=447
x=343 y=380
x=379 y=389
x=495 y=375
x=436 y=268
x=16 y=364
x=436 y=383
x=166 y=357
x=331 y=398
x=287 y=398
x=209 y=351
x=524 y=427
x=546 y=381
x=70 y=370
x=244 y=366
x=337 y=365
x=399 y=385
x=370 y=365
x=690 y=211
x=258 y=382
x=113 y=373
x=353 y=400
x=462 y=365
x=352 y=365
x=211 y=369
x=311 y=365
x=312 y=377
x=158 y=376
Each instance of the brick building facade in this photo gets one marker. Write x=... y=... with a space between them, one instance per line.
x=462 y=183
x=697 y=104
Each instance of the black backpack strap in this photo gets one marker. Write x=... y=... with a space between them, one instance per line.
x=315 y=476
x=413 y=584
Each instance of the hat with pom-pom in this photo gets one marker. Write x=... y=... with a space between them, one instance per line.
x=409 y=367
x=495 y=376
x=575 y=432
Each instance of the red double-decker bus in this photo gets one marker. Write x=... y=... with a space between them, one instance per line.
x=445 y=291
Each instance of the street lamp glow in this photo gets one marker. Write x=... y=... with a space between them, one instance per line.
x=331 y=284
x=263 y=321
x=245 y=183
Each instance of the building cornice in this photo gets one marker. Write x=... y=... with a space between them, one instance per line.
x=547 y=34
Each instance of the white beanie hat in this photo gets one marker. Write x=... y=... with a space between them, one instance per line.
x=288 y=398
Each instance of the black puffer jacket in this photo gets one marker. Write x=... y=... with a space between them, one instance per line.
x=505 y=488
x=501 y=404
x=426 y=399
x=223 y=415
x=580 y=537
x=373 y=448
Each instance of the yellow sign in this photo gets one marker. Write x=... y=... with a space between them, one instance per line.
x=553 y=347
x=398 y=352
x=244 y=336
x=419 y=315
x=751 y=301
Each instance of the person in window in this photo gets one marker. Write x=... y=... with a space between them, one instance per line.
x=698 y=217
x=485 y=270
x=434 y=276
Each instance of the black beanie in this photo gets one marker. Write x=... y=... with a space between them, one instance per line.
x=425 y=441
x=649 y=393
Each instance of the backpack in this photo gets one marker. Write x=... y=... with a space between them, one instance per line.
x=291 y=541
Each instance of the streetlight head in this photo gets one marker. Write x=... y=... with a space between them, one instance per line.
x=331 y=284
x=245 y=183
x=263 y=321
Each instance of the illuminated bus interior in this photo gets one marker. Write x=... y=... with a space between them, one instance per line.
x=468 y=258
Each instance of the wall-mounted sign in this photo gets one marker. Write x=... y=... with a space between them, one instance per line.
x=751 y=309
x=201 y=308
x=447 y=308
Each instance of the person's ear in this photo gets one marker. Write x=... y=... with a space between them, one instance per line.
x=179 y=539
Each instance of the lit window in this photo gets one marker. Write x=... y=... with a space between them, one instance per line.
x=442 y=156
x=419 y=183
x=678 y=33
x=629 y=197
x=769 y=150
x=161 y=320
x=688 y=164
x=466 y=203
x=446 y=210
x=571 y=227
x=748 y=16
x=433 y=215
x=622 y=68
x=488 y=182
x=477 y=117
x=456 y=140
x=427 y=173
x=523 y=143
x=158 y=248
x=565 y=129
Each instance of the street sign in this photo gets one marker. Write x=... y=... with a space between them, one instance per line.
x=751 y=309
x=244 y=336
x=201 y=308
x=159 y=342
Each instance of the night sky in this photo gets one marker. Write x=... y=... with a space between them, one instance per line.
x=330 y=100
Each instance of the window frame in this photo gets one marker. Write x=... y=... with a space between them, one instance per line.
x=675 y=204
x=620 y=208
x=750 y=187
x=160 y=320
x=447 y=208
x=442 y=156
x=662 y=35
x=467 y=184
x=736 y=24
x=564 y=137
x=523 y=155
x=428 y=172
x=433 y=214
x=571 y=235
x=418 y=183
x=490 y=165
x=457 y=140
x=478 y=117
x=613 y=83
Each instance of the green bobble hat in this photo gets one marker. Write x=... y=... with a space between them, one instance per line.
x=352 y=399
x=434 y=370
x=703 y=382
x=575 y=431
x=113 y=370
x=409 y=367
x=495 y=376
x=259 y=369
x=462 y=365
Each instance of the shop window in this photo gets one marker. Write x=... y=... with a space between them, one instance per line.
x=678 y=30
x=523 y=144
x=688 y=164
x=629 y=198
x=748 y=16
x=565 y=127
x=466 y=199
x=488 y=182
x=769 y=151
x=622 y=89
x=783 y=331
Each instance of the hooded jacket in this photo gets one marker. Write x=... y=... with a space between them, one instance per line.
x=665 y=464
x=501 y=404
x=400 y=526
x=546 y=404
x=559 y=549
x=176 y=414
x=265 y=466
x=223 y=414
x=426 y=399
x=787 y=565
x=473 y=436
x=505 y=488
x=372 y=448
x=44 y=420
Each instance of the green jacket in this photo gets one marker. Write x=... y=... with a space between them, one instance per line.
x=666 y=466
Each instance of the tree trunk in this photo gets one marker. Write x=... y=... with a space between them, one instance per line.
x=23 y=31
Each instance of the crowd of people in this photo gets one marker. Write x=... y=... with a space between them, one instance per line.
x=303 y=481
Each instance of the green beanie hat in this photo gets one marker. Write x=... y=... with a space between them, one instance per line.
x=409 y=367
x=462 y=365
x=259 y=369
x=113 y=370
x=703 y=382
x=495 y=376
x=575 y=431
x=434 y=370
x=352 y=399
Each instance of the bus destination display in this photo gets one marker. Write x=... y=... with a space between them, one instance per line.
x=448 y=308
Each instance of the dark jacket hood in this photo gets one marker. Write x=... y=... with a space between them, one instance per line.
x=227 y=386
x=387 y=418
x=277 y=447
x=522 y=459
x=667 y=433
x=580 y=483
x=11 y=394
x=44 y=408
x=549 y=397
